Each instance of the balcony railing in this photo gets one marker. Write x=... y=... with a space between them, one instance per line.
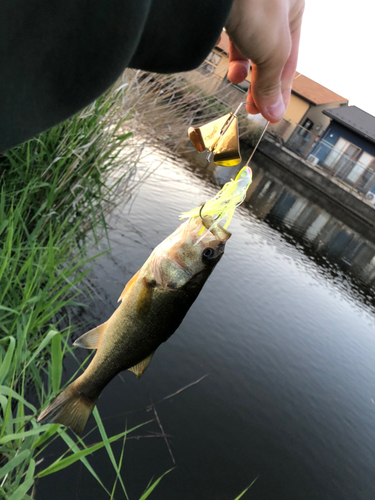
x=321 y=154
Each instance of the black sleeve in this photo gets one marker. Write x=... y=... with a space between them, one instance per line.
x=57 y=56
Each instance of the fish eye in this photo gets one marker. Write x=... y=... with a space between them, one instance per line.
x=208 y=253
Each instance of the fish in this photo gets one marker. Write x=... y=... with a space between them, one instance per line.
x=153 y=304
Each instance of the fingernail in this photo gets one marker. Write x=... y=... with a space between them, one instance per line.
x=276 y=110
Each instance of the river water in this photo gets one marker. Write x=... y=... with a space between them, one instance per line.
x=283 y=331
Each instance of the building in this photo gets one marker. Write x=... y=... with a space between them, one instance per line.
x=347 y=148
x=305 y=120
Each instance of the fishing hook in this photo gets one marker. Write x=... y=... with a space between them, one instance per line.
x=218 y=216
x=200 y=211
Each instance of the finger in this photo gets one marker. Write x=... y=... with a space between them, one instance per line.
x=290 y=67
x=239 y=65
x=251 y=107
x=266 y=80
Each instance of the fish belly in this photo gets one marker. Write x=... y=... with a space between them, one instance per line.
x=131 y=337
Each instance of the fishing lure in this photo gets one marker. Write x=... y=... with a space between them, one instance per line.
x=220 y=139
x=223 y=205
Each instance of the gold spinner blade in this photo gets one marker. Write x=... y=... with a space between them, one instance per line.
x=220 y=138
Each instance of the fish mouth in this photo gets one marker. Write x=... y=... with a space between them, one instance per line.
x=215 y=229
x=221 y=247
x=222 y=234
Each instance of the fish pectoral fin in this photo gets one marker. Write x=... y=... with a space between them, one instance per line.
x=140 y=368
x=91 y=339
x=144 y=298
x=129 y=286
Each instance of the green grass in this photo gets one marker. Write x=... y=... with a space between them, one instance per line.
x=55 y=189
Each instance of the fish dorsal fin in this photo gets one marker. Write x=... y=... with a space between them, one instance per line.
x=129 y=286
x=91 y=339
x=140 y=368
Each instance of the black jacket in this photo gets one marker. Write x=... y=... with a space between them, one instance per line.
x=57 y=56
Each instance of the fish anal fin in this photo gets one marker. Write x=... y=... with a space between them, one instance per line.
x=129 y=286
x=91 y=339
x=140 y=368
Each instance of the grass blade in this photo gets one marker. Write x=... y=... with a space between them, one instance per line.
x=74 y=447
x=65 y=462
x=47 y=435
x=42 y=345
x=17 y=460
x=5 y=365
x=21 y=491
x=108 y=448
x=245 y=490
x=21 y=435
x=57 y=357
x=151 y=488
x=10 y=393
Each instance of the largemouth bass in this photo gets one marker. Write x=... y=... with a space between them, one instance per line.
x=153 y=305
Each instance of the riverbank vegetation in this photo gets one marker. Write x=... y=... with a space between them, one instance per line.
x=56 y=191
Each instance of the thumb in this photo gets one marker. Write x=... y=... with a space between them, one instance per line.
x=266 y=85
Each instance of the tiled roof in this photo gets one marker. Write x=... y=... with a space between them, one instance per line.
x=314 y=92
x=355 y=119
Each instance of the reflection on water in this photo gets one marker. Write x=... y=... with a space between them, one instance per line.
x=330 y=242
x=339 y=249
x=282 y=207
x=285 y=330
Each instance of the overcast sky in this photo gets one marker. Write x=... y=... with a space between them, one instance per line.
x=337 y=48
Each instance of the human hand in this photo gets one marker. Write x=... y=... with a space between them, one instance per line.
x=268 y=33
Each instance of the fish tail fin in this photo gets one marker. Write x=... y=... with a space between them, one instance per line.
x=71 y=408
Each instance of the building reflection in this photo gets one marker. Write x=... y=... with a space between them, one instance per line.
x=322 y=236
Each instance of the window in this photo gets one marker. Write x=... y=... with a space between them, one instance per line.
x=360 y=166
x=341 y=156
x=306 y=127
x=213 y=58
x=210 y=63
x=207 y=68
x=366 y=182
